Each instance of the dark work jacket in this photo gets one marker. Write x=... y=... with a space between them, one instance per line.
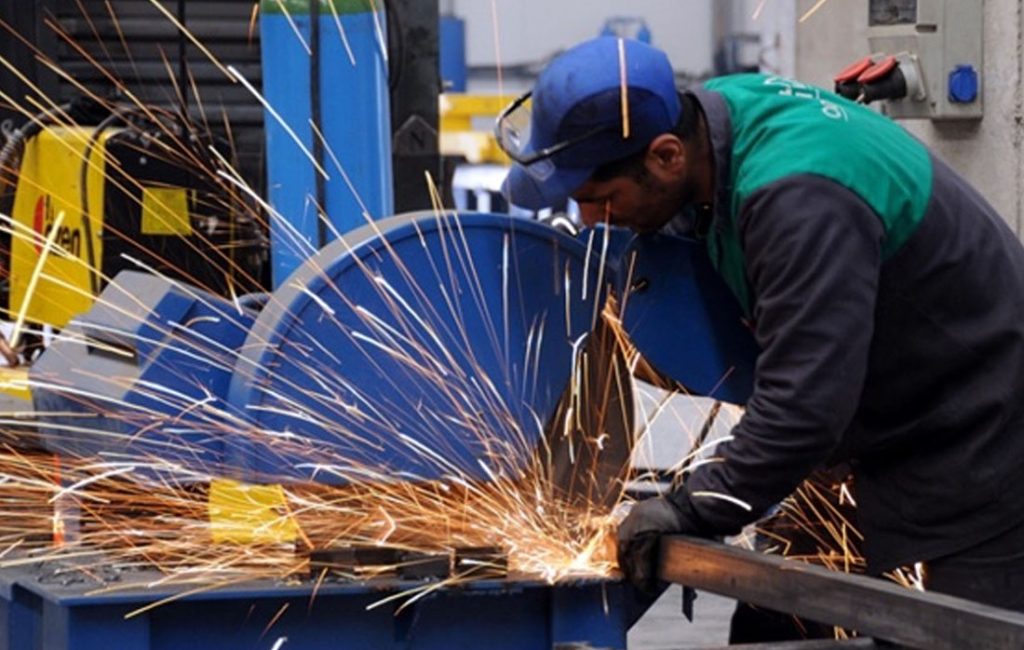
x=911 y=367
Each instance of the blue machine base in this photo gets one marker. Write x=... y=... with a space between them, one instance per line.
x=43 y=608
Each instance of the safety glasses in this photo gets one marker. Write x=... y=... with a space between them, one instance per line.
x=512 y=130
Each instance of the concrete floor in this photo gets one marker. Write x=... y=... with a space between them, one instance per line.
x=664 y=627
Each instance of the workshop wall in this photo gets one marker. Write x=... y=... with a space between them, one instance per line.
x=990 y=153
x=531 y=31
x=757 y=33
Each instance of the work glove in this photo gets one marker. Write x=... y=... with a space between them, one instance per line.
x=638 y=538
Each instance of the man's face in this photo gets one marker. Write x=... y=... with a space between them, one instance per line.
x=643 y=204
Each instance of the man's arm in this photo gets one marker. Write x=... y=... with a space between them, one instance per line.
x=813 y=257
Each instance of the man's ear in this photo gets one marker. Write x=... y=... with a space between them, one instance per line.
x=666 y=157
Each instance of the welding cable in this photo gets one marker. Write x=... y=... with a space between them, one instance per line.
x=79 y=110
x=10 y=154
x=117 y=115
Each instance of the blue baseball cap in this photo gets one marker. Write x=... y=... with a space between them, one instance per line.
x=577 y=121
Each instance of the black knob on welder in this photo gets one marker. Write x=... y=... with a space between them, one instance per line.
x=884 y=80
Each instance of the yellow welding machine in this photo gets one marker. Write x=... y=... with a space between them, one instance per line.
x=92 y=201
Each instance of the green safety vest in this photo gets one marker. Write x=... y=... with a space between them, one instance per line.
x=784 y=128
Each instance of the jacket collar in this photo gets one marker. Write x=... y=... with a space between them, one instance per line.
x=716 y=115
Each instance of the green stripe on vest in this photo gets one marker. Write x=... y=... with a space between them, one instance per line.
x=784 y=128
x=327 y=7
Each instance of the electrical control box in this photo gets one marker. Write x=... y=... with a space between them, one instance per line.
x=937 y=46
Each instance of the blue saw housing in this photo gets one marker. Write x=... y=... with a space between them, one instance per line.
x=439 y=348
x=422 y=347
x=681 y=315
x=150 y=363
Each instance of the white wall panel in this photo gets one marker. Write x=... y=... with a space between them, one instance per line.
x=989 y=152
x=532 y=30
x=775 y=21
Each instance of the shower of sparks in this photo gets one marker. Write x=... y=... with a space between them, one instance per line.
x=148 y=503
x=153 y=500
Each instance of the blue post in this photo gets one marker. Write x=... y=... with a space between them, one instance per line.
x=453 y=54
x=354 y=116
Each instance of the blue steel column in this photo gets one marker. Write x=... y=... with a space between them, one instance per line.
x=357 y=118
x=453 y=54
x=355 y=122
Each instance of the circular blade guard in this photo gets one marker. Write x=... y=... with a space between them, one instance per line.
x=418 y=347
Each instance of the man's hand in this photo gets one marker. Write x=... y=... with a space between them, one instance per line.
x=638 y=539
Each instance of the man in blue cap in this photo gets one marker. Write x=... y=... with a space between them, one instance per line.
x=886 y=295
